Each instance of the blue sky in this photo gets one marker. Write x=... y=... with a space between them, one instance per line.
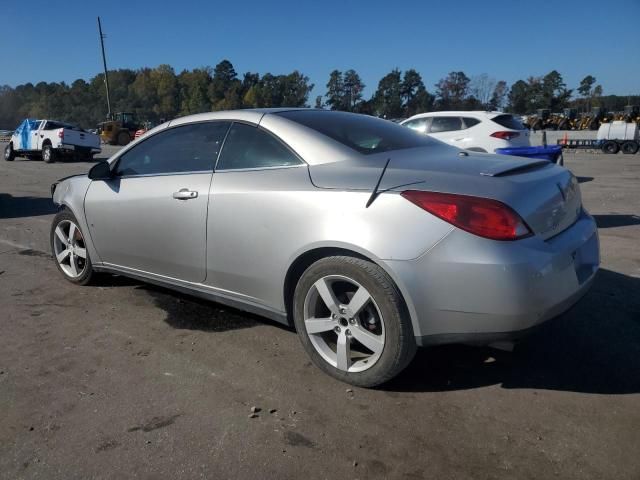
x=509 y=40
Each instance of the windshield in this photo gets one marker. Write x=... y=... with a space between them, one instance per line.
x=362 y=133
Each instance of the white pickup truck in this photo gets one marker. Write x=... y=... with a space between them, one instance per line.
x=50 y=140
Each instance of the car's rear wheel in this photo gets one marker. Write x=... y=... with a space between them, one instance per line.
x=352 y=321
x=48 y=154
x=9 y=153
x=69 y=249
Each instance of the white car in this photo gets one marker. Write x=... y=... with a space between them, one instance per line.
x=477 y=131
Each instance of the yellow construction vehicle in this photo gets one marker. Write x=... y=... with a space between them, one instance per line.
x=120 y=129
x=568 y=119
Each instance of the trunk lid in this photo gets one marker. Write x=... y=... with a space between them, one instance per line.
x=545 y=195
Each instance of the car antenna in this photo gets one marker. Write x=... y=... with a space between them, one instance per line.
x=374 y=194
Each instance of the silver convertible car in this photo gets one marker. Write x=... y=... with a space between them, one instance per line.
x=367 y=237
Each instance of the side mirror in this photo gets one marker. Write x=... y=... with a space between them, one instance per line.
x=100 y=171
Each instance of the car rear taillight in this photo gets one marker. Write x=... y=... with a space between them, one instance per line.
x=481 y=216
x=61 y=133
x=505 y=135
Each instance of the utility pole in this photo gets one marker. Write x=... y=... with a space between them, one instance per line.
x=104 y=64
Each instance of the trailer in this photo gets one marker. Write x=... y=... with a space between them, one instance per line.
x=612 y=137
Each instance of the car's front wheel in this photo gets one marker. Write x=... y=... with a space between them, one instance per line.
x=352 y=321
x=9 y=153
x=69 y=249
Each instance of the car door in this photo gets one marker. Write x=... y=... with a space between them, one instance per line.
x=252 y=210
x=446 y=129
x=151 y=216
x=35 y=143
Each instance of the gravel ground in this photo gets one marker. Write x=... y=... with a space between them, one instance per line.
x=129 y=380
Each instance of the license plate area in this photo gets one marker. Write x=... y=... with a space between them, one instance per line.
x=586 y=259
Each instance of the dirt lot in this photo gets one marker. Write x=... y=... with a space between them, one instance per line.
x=129 y=380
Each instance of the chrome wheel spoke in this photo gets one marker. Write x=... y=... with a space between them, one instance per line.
x=368 y=339
x=72 y=264
x=343 y=352
x=61 y=236
x=62 y=255
x=319 y=325
x=358 y=301
x=72 y=233
x=327 y=295
x=81 y=252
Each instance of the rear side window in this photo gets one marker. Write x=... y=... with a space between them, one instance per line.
x=470 y=122
x=247 y=146
x=445 y=124
x=419 y=124
x=188 y=148
x=509 y=121
x=362 y=133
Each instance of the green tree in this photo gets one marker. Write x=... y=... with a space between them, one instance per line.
x=387 y=100
x=519 y=98
x=224 y=91
x=555 y=95
x=352 y=89
x=452 y=91
x=335 y=91
x=415 y=98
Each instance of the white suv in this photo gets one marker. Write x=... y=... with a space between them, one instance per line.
x=477 y=131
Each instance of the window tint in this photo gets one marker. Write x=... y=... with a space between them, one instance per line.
x=362 y=133
x=189 y=148
x=250 y=147
x=509 y=121
x=445 y=124
x=51 y=125
x=470 y=122
x=419 y=125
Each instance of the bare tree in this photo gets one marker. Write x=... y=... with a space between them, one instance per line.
x=482 y=88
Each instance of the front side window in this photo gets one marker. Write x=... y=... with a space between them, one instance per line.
x=187 y=148
x=247 y=146
x=445 y=124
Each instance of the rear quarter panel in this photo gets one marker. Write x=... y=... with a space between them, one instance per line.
x=261 y=221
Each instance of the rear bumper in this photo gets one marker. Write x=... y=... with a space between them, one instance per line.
x=73 y=148
x=471 y=290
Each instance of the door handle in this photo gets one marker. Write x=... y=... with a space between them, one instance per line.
x=185 y=194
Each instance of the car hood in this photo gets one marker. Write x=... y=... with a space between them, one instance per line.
x=545 y=195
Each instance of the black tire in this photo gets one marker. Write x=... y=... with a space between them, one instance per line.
x=610 y=147
x=9 y=153
x=87 y=273
x=48 y=154
x=630 y=147
x=123 y=138
x=399 y=345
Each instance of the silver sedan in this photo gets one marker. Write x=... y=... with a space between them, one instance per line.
x=368 y=238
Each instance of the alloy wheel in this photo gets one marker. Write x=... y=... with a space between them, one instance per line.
x=70 y=249
x=344 y=323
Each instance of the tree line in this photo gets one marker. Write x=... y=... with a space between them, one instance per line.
x=160 y=93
